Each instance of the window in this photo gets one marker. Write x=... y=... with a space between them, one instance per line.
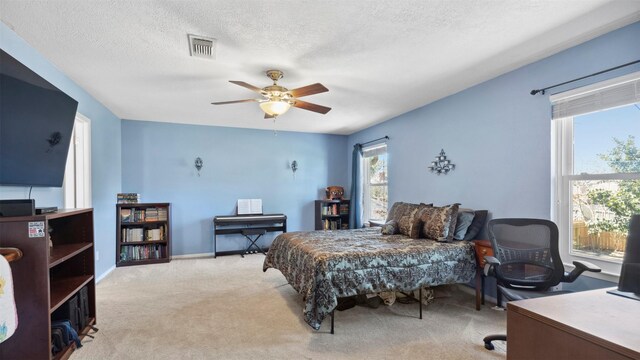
x=597 y=169
x=77 y=173
x=375 y=182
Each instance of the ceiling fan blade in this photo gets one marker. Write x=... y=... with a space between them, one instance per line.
x=267 y=116
x=308 y=90
x=234 y=102
x=311 y=107
x=245 y=85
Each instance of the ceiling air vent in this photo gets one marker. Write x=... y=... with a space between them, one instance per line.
x=202 y=46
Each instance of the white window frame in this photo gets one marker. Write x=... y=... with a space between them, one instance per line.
x=77 y=176
x=366 y=184
x=562 y=176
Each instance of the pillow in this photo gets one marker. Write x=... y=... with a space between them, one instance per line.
x=407 y=224
x=476 y=225
x=465 y=218
x=395 y=209
x=439 y=223
x=407 y=216
x=390 y=227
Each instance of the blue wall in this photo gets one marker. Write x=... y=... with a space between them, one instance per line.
x=158 y=162
x=497 y=134
x=105 y=149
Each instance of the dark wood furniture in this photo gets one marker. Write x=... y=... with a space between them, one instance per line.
x=483 y=248
x=247 y=225
x=582 y=325
x=57 y=262
x=332 y=214
x=141 y=250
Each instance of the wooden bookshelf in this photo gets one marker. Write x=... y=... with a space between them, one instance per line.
x=332 y=214
x=56 y=264
x=143 y=233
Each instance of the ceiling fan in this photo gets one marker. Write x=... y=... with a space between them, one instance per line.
x=278 y=99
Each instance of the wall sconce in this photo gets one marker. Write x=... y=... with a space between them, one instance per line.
x=198 y=164
x=441 y=165
x=294 y=168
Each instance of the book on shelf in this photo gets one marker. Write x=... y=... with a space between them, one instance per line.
x=344 y=209
x=142 y=234
x=331 y=209
x=142 y=252
x=125 y=215
x=128 y=198
x=163 y=214
x=331 y=224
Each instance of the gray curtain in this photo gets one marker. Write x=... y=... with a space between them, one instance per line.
x=355 y=217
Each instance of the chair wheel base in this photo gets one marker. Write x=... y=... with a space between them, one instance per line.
x=488 y=346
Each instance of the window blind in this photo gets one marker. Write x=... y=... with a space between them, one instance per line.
x=613 y=93
x=374 y=150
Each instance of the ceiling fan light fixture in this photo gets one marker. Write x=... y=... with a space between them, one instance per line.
x=275 y=107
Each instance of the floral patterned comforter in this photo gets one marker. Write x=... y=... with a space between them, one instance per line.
x=325 y=265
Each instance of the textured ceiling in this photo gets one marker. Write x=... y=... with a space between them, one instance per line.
x=379 y=58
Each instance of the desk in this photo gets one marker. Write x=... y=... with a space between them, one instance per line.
x=582 y=325
x=223 y=225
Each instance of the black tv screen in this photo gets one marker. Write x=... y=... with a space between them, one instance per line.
x=36 y=121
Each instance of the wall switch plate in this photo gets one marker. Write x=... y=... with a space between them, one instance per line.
x=97 y=255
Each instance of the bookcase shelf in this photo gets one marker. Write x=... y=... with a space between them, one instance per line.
x=58 y=262
x=332 y=214
x=143 y=233
x=63 y=252
x=133 y=243
x=62 y=289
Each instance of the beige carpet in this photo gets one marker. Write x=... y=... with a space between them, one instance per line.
x=227 y=308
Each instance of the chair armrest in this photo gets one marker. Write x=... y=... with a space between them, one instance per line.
x=376 y=223
x=580 y=267
x=490 y=265
x=587 y=266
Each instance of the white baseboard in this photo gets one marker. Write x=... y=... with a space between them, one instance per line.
x=104 y=274
x=192 y=256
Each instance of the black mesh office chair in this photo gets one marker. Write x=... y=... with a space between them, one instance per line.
x=527 y=261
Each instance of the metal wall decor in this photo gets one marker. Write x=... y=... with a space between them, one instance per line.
x=294 y=168
x=441 y=165
x=199 y=164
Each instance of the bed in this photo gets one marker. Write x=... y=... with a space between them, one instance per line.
x=325 y=265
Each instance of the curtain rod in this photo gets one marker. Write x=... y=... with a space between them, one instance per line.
x=542 y=91
x=374 y=140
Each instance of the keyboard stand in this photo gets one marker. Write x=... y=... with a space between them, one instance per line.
x=236 y=224
x=253 y=232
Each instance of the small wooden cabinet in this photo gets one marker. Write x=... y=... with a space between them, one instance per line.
x=57 y=262
x=483 y=248
x=143 y=233
x=332 y=214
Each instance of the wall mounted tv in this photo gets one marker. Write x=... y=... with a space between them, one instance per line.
x=36 y=121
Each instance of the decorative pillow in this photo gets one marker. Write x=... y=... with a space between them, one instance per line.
x=407 y=220
x=465 y=218
x=390 y=227
x=395 y=211
x=439 y=223
x=479 y=220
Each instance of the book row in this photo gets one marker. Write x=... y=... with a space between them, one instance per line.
x=335 y=225
x=142 y=234
x=142 y=215
x=335 y=209
x=143 y=252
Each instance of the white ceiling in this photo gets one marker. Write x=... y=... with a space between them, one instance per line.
x=378 y=58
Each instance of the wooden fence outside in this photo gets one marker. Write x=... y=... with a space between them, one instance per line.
x=606 y=241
